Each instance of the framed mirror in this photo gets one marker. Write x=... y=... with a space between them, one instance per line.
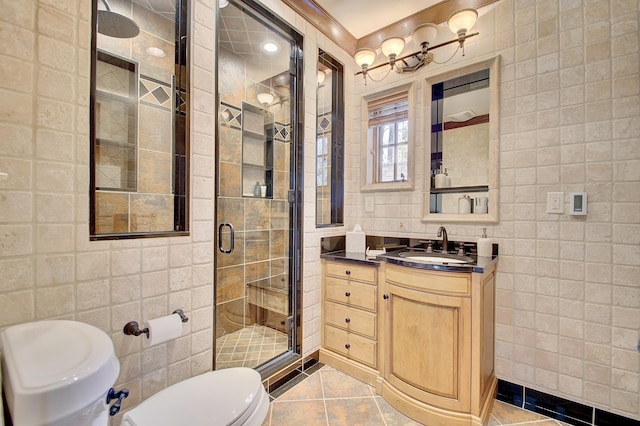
x=463 y=159
x=139 y=119
x=389 y=139
x=329 y=142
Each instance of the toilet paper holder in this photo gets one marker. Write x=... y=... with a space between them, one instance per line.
x=132 y=328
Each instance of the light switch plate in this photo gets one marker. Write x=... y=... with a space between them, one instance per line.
x=555 y=202
x=369 y=206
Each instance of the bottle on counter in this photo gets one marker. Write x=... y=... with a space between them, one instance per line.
x=485 y=247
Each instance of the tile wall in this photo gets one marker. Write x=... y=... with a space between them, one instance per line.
x=568 y=297
x=48 y=267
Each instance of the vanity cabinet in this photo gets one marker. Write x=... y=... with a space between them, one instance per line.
x=350 y=318
x=437 y=353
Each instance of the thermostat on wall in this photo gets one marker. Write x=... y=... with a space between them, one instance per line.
x=577 y=203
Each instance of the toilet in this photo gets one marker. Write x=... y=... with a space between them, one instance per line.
x=60 y=373
x=234 y=396
x=57 y=373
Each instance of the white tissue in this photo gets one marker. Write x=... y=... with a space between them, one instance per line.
x=163 y=329
x=356 y=240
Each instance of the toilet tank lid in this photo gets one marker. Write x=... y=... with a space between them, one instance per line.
x=45 y=356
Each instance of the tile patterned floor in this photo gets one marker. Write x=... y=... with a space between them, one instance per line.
x=249 y=347
x=329 y=397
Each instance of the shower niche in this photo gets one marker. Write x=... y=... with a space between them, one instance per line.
x=116 y=117
x=257 y=151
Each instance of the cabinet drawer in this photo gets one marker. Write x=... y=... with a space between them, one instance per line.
x=350 y=345
x=352 y=271
x=351 y=293
x=451 y=283
x=350 y=319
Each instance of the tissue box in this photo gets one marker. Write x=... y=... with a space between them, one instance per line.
x=356 y=242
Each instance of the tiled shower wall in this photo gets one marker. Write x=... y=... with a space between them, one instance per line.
x=48 y=267
x=568 y=296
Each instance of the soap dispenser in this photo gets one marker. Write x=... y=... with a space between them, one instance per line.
x=440 y=179
x=485 y=247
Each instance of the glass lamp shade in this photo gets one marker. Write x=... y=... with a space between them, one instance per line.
x=392 y=46
x=365 y=57
x=265 y=98
x=425 y=33
x=223 y=3
x=321 y=77
x=462 y=21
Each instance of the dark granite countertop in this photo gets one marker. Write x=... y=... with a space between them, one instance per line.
x=479 y=265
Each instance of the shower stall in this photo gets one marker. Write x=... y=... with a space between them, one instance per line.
x=258 y=188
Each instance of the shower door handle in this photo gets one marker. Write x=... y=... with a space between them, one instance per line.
x=231 y=238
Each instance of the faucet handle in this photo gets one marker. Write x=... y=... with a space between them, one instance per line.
x=429 y=246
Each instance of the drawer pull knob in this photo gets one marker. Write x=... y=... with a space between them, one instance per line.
x=348 y=272
x=347 y=346
x=385 y=296
x=347 y=320
x=348 y=293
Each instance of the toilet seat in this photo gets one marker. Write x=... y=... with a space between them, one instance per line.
x=233 y=396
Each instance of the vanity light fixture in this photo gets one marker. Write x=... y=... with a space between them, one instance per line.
x=459 y=23
x=223 y=3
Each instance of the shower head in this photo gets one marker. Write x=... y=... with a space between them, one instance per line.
x=113 y=24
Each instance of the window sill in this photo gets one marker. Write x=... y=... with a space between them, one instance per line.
x=387 y=186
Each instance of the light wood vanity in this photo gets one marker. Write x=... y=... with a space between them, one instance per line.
x=424 y=338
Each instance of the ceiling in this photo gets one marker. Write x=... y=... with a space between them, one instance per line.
x=361 y=21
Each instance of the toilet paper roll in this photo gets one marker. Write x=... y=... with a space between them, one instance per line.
x=163 y=329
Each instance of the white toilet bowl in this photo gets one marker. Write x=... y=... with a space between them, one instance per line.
x=233 y=396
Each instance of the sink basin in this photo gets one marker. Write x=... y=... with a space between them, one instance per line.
x=439 y=258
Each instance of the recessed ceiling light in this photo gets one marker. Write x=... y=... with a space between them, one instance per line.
x=270 y=47
x=156 y=51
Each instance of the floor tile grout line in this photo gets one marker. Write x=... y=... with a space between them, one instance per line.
x=324 y=399
x=375 y=401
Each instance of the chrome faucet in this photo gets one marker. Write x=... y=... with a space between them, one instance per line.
x=445 y=240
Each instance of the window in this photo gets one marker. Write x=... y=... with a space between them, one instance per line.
x=388 y=146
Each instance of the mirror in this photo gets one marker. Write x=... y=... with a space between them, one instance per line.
x=389 y=137
x=462 y=180
x=329 y=142
x=139 y=123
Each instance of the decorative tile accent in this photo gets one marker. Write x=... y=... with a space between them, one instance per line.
x=324 y=123
x=154 y=92
x=282 y=132
x=230 y=116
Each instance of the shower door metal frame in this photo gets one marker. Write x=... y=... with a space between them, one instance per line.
x=296 y=183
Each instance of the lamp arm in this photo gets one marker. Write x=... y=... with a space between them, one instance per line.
x=417 y=54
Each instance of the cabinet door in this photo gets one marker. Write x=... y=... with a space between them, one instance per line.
x=428 y=346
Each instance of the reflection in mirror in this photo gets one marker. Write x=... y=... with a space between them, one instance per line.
x=388 y=123
x=138 y=119
x=463 y=178
x=329 y=142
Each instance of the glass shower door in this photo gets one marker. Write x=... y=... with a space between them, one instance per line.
x=257 y=216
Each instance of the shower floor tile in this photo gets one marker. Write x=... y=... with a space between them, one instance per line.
x=249 y=347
